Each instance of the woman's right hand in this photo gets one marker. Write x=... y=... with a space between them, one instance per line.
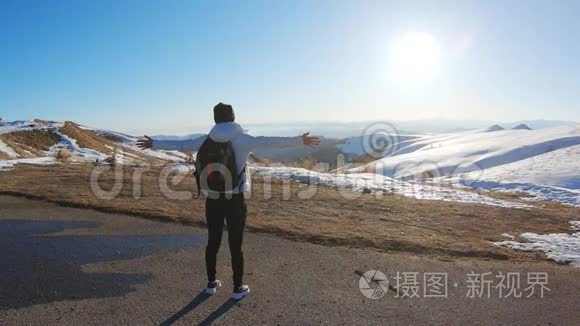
x=146 y=143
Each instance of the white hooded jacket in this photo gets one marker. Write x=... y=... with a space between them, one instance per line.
x=243 y=145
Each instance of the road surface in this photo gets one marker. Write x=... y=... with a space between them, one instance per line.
x=73 y=266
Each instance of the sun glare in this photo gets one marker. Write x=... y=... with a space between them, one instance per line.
x=415 y=56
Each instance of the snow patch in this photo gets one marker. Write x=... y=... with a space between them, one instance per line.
x=71 y=144
x=182 y=167
x=174 y=153
x=533 y=192
x=561 y=247
x=162 y=155
x=363 y=182
x=20 y=125
x=8 y=150
x=8 y=164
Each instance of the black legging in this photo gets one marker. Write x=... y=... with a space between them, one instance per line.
x=234 y=211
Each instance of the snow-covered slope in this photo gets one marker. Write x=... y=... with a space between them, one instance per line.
x=357 y=145
x=543 y=163
x=470 y=151
x=130 y=142
x=558 y=168
x=553 y=176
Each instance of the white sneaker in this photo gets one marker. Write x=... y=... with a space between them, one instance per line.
x=212 y=287
x=241 y=292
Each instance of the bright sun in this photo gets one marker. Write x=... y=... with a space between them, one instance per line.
x=415 y=56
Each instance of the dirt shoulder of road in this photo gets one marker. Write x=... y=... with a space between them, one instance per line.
x=390 y=223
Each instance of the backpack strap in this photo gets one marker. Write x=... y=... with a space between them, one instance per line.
x=196 y=175
x=197 y=165
x=240 y=177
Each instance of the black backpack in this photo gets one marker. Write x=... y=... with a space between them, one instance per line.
x=216 y=168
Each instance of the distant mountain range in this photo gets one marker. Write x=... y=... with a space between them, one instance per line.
x=176 y=138
x=342 y=130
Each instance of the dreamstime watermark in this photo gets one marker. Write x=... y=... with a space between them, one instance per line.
x=374 y=284
x=380 y=139
x=397 y=175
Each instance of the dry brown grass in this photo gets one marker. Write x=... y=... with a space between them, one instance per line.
x=86 y=138
x=63 y=155
x=29 y=143
x=110 y=160
x=253 y=159
x=365 y=159
x=390 y=223
x=41 y=139
x=107 y=145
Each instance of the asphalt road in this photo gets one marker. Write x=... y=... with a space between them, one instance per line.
x=82 y=267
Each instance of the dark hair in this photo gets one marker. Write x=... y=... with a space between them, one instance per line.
x=223 y=113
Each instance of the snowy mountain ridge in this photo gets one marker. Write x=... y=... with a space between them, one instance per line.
x=505 y=160
x=44 y=142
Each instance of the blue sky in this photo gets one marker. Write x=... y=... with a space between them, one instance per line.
x=160 y=66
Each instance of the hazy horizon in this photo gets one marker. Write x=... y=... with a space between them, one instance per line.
x=339 y=129
x=332 y=129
